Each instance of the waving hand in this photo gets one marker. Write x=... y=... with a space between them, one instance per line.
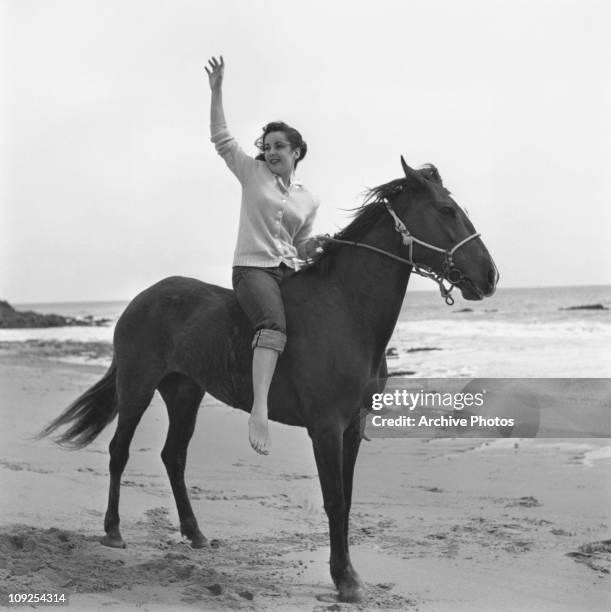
x=215 y=72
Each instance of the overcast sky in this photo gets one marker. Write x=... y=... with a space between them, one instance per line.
x=110 y=182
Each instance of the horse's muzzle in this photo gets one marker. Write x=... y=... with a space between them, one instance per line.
x=471 y=290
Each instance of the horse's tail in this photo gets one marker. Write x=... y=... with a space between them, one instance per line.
x=89 y=413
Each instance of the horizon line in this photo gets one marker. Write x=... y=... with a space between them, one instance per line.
x=412 y=290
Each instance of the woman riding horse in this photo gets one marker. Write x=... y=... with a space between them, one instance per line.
x=184 y=338
x=275 y=224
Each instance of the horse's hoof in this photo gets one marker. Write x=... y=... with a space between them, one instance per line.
x=199 y=541
x=113 y=541
x=196 y=538
x=350 y=587
x=352 y=593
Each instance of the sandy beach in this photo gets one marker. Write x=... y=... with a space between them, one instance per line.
x=150 y=148
x=445 y=524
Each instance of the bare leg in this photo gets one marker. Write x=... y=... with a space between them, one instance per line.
x=263 y=366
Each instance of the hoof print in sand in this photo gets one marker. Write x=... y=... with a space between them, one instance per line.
x=215 y=589
x=524 y=502
x=596 y=556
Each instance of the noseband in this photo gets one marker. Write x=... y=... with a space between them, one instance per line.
x=449 y=272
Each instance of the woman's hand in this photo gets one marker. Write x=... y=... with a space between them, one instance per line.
x=315 y=246
x=215 y=73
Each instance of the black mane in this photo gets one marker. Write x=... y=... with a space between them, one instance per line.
x=372 y=211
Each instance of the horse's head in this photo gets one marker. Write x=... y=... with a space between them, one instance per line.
x=438 y=234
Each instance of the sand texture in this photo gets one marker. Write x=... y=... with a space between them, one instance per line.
x=444 y=524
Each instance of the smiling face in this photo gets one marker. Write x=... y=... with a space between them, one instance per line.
x=279 y=156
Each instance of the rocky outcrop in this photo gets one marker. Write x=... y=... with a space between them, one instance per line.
x=587 y=307
x=11 y=318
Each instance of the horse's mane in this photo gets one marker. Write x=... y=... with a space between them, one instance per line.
x=372 y=211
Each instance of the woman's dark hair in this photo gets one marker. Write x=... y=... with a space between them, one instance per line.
x=292 y=135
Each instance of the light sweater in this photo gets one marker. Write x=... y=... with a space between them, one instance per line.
x=275 y=221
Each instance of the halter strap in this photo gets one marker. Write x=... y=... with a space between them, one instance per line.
x=420 y=269
x=408 y=237
x=471 y=237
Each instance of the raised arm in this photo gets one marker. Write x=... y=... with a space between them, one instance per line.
x=237 y=161
x=215 y=77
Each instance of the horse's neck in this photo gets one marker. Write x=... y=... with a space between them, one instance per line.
x=375 y=285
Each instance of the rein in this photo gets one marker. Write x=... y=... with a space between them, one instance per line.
x=450 y=272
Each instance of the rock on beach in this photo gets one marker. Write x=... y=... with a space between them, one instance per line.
x=12 y=319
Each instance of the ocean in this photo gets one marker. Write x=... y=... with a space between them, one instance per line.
x=524 y=332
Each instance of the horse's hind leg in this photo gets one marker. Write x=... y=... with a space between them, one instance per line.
x=129 y=417
x=182 y=397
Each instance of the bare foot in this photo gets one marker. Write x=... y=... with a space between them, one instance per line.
x=258 y=434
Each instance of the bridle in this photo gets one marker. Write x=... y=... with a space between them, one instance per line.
x=449 y=272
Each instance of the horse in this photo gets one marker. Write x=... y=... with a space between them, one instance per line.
x=185 y=337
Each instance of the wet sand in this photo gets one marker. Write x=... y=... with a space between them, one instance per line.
x=442 y=524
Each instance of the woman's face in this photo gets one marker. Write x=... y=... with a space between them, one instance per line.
x=279 y=156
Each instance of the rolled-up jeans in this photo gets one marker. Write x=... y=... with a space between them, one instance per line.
x=258 y=292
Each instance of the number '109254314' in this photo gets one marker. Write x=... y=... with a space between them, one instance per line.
x=31 y=598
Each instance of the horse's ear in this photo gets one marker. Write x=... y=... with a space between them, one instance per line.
x=409 y=172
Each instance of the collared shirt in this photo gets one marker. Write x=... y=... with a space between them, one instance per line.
x=275 y=220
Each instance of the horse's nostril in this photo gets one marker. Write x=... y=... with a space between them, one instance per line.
x=493 y=276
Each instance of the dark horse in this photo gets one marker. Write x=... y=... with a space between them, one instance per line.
x=185 y=337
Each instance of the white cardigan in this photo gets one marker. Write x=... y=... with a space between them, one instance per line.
x=275 y=222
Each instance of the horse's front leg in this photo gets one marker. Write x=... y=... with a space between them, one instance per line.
x=351 y=444
x=329 y=454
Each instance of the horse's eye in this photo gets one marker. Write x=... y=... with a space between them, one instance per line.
x=448 y=210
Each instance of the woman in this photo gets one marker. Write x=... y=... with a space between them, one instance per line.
x=276 y=220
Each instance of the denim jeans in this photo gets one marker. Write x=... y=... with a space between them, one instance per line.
x=258 y=292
